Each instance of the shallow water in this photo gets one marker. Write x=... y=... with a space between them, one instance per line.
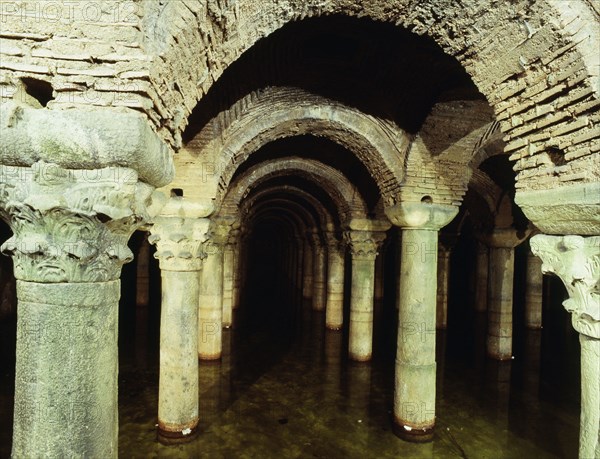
x=289 y=391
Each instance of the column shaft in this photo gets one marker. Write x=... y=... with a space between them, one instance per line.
x=361 y=307
x=414 y=395
x=228 y=274
x=534 y=292
x=319 y=278
x=589 y=435
x=500 y=303
x=178 y=382
x=334 y=315
x=210 y=311
x=66 y=370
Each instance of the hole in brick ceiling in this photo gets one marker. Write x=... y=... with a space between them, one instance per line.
x=556 y=155
x=38 y=89
x=426 y=200
x=176 y=193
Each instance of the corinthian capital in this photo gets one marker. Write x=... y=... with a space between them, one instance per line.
x=576 y=260
x=70 y=225
x=364 y=243
x=180 y=242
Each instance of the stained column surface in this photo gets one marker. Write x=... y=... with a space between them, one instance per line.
x=210 y=311
x=334 y=316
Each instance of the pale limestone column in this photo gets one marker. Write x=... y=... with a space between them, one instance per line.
x=481 y=280
x=502 y=243
x=576 y=260
x=363 y=247
x=228 y=275
x=179 y=251
x=415 y=382
x=319 y=296
x=70 y=232
x=142 y=288
x=334 y=313
x=443 y=280
x=210 y=309
x=307 y=281
x=534 y=292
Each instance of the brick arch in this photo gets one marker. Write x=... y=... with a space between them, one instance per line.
x=345 y=195
x=322 y=218
x=535 y=62
x=277 y=112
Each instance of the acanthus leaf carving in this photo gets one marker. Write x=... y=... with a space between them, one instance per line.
x=61 y=232
x=576 y=260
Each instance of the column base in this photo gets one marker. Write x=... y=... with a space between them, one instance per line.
x=175 y=437
x=412 y=435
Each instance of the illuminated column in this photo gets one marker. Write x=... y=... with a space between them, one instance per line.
x=319 y=299
x=334 y=314
x=502 y=243
x=363 y=246
x=576 y=260
x=210 y=310
x=228 y=276
x=415 y=384
x=179 y=251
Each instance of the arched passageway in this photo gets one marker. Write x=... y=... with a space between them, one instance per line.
x=343 y=200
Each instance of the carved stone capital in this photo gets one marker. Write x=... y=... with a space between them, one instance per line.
x=576 y=260
x=364 y=243
x=333 y=243
x=419 y=215
x=220 y=234
x=180 y=242
x=70 y=225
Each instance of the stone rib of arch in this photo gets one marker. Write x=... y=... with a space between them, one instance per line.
x=278 y=112
x=333 y=182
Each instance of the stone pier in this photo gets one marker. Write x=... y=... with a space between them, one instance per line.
x=334 y=313
x=180 y=261
x=415 y=380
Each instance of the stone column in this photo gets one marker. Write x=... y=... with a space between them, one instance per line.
x=179 y=251
x=228 y=275
x=502 y=243
x=481 y=280
x=443 y=281
x=210 y=309
x=363 y=247
x=307 y=281
x=576 y=260
x=415 y=385
x=142 y=287
x=71 y=229
x=319 y=297
x=534 y=292
x=334 y=314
